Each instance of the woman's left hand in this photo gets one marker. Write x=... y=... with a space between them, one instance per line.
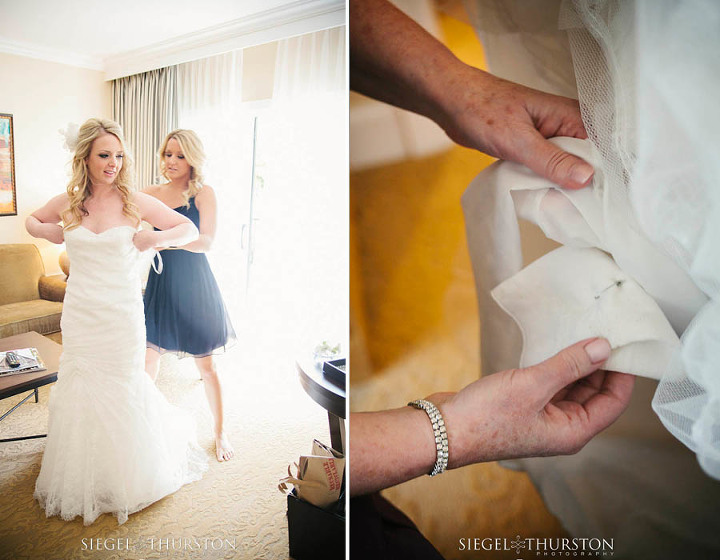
x=145 y=239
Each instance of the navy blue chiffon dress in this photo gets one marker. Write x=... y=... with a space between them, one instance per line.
x=184 y=311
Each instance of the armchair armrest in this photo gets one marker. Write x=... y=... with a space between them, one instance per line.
x=52 y=287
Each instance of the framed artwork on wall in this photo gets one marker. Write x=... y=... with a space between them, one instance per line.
x=8 y=200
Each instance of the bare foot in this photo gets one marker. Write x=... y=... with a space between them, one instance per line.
x=223 y=449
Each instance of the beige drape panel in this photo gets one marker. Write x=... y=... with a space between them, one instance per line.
x=145 y=105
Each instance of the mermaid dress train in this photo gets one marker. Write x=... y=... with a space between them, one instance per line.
x=115 y=444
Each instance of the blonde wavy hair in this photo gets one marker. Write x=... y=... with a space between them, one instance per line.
x=80 y=187
x=194 y=153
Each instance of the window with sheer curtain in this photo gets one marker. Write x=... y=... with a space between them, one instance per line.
x=301 y=255
x=279 y=169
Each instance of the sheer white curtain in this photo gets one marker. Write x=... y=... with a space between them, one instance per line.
x=208 y=86
x=309 y=65
x=209 y=102
x=302 y=259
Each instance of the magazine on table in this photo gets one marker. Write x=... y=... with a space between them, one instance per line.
x=29 y=358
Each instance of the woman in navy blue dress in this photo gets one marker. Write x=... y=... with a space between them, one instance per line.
x=184 y=311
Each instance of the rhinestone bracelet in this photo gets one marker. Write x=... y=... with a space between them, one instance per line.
x=441 y=439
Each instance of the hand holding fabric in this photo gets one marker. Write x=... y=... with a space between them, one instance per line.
x=553 y=408
x=145 y=239
x=512 y=122
x=395 y=60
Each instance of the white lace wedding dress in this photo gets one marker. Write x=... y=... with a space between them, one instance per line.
x=641 y=262
x=114 y=442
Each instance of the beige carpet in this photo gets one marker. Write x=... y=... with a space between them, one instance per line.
x=481 y=501
x=235 y=511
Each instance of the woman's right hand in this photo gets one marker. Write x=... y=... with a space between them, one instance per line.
x=145 y=239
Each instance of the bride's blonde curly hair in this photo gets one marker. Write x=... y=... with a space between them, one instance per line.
x=80 y=187
x=194 y=153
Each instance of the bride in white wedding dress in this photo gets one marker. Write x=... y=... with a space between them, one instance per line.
x=115 y=445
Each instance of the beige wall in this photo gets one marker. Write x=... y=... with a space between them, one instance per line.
x=44 y=97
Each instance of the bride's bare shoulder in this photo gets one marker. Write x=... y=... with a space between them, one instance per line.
x=59 y=203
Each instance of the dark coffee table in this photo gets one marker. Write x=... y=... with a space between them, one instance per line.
x=11 y=385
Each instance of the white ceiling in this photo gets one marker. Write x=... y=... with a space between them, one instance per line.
x=102 y=34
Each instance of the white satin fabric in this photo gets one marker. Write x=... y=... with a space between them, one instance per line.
x=572 y=294
x=633 y=483
x=645 y=73
x=114 y=442
x=642 y=71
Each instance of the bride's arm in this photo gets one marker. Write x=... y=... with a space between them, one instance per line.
x=175 y=228
x=45 y=222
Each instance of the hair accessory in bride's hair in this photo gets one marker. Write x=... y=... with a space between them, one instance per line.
x=70 y=134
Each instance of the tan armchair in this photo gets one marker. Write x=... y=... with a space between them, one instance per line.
x=29 y=300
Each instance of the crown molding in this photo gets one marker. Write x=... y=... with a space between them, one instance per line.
x=296 y=18
x=39 y=52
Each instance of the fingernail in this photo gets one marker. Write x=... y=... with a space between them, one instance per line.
x=581 y=173
x=598 y=350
